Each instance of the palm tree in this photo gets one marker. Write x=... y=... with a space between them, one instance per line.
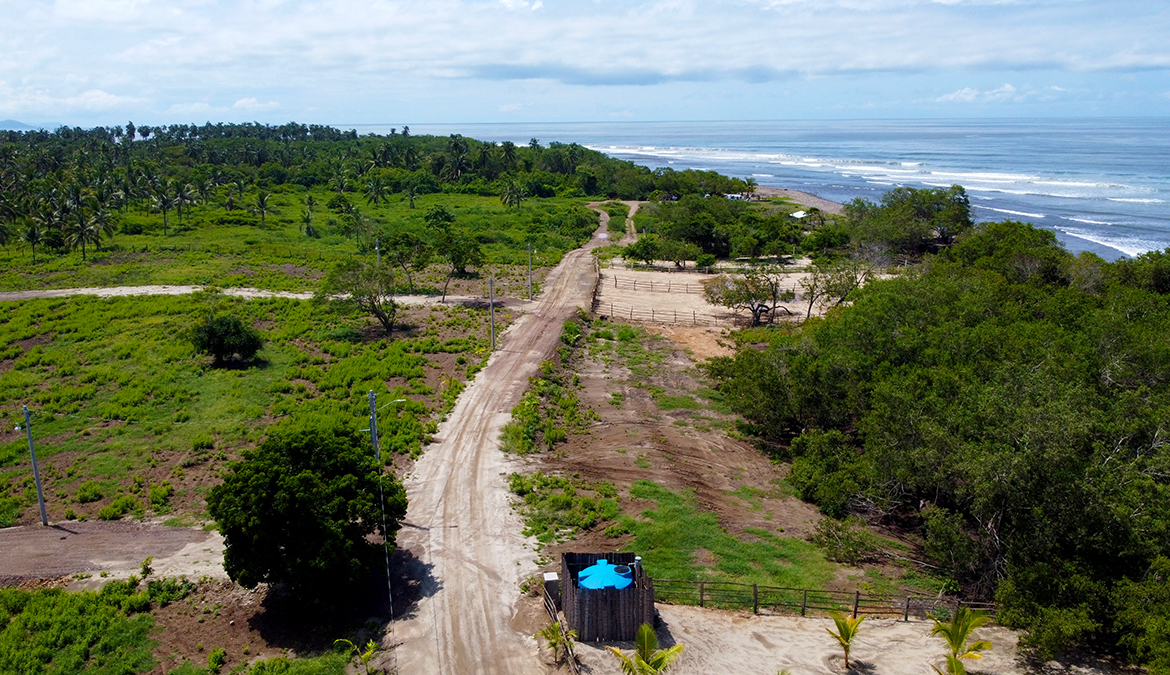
x=410 y=192
x=307 y=223
x=648 y=658
x=81 y=230
x=376 y=189
x=104 y=223
x=752 y=187
x=164 y=202
x=559 y=643
x=262 y=206
x=512 y=195
x=32 y=235
x=184 y=197
x=846 y=632
x=956 y=633
x=508 y=151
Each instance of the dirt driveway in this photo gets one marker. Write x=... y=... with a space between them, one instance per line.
x=460 y=525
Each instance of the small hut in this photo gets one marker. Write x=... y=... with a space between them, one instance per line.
x=605 y=596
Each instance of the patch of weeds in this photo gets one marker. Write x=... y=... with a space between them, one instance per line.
x=160 y=495
x=681 y=402
x=669 y=536
x=90 y=491
x=642 y=461
x=555 y=508
x=750 y=495
x=616 y=399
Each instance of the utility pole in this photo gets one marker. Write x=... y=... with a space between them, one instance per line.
x=529 y=271
x=381 y=496
x=492 y=309
x=36 y=472
x=378 y=249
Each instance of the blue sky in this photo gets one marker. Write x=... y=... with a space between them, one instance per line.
x=85 y=62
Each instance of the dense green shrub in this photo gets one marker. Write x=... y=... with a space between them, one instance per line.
x=225 y=336
x=90 y=491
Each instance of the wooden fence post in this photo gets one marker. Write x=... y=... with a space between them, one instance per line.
x=856 y=602
x=804 y=603
x=702 y=584
x=755 y=599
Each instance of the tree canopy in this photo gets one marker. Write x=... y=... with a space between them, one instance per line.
x=224 y=336
x=300 y=510
x=1012 y=399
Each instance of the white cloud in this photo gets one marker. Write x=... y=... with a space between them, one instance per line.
x=336 y=53
x=964 y=95
x=14 y=101
x=253 y=105
x=510 y=107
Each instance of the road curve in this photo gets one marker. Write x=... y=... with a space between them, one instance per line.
x=460 y=525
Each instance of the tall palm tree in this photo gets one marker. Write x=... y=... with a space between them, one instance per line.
x=508 y=151
x=648 y=658
x=81 y=230
x=164 y=202
x=846 y=632
x=32 y=234
x=102 y=220
x=262 y=205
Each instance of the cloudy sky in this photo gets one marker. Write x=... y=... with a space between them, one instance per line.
x=88 y=62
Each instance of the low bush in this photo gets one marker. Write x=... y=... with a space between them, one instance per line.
x=90 y=491
x=118 y=508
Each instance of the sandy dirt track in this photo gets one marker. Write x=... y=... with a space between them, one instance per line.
x=460 y=525
x=117 y=548
x=126 y=291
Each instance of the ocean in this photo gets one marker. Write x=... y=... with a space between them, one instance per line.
x=1103 y=185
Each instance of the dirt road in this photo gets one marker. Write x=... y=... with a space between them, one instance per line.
x=460 y=525
x=116 y=548
x=127 y=291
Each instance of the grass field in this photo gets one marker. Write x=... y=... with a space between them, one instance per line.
x=230 y=248
x=123 y=407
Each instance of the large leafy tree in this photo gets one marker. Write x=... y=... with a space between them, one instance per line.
x=301 y=509
x=365 y=285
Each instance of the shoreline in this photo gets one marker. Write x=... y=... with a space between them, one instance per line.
x=806 y=199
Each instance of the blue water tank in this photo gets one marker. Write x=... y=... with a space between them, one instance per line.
x=604 y=575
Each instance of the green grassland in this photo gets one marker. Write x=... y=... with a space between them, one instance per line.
x=52 y=632
x=123 y=406
x=213 y=245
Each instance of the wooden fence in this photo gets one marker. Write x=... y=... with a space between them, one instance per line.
x=550 y=606
x=668 y=286
x=618 y=312
x=777 y=600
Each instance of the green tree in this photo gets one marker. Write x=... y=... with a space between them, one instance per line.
x=847 y=628
x=647 y=659
x=646 y=250
x=301 y=510
x=364 y=285
x=759 y=292
x=411 y=253
x=224 y=336
x=32 y=234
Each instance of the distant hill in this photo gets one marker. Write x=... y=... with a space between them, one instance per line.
x=13 y=125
